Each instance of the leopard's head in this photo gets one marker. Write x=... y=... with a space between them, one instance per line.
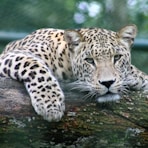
x=100 y=60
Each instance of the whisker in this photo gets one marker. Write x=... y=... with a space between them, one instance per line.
x=93 y=92
x=81 y=86
x=90 y=95
x=125 y=89
x=87 y=96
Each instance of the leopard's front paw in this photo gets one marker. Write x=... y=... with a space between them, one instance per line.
x=50 y=112
x=53 y=115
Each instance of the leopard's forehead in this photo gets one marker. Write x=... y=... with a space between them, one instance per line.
x=101 y=42
x=100 y=36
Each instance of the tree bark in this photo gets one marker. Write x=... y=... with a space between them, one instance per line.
x=82 y=119
x=15 y=100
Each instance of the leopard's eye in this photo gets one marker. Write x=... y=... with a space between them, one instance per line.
x=117 y=57
x=90 y=61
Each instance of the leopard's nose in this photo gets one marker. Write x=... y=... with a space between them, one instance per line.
x=107 y=83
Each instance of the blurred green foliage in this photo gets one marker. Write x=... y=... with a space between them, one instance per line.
x=29 y=15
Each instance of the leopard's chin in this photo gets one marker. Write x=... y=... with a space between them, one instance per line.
x=108 y=98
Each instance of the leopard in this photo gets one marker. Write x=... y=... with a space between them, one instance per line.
x=96 y=60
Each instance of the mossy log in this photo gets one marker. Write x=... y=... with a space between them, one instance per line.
x=82 y=118
x=14 y=99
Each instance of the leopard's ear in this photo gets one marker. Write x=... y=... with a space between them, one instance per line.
x=73 y=38
x=127 y=35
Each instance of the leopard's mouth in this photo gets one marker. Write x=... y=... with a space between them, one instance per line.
x=108 y=97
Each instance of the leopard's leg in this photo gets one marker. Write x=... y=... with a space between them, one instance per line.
x=46 y=95
x=137 y=80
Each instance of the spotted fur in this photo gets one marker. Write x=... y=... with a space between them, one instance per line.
x=98 y=61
